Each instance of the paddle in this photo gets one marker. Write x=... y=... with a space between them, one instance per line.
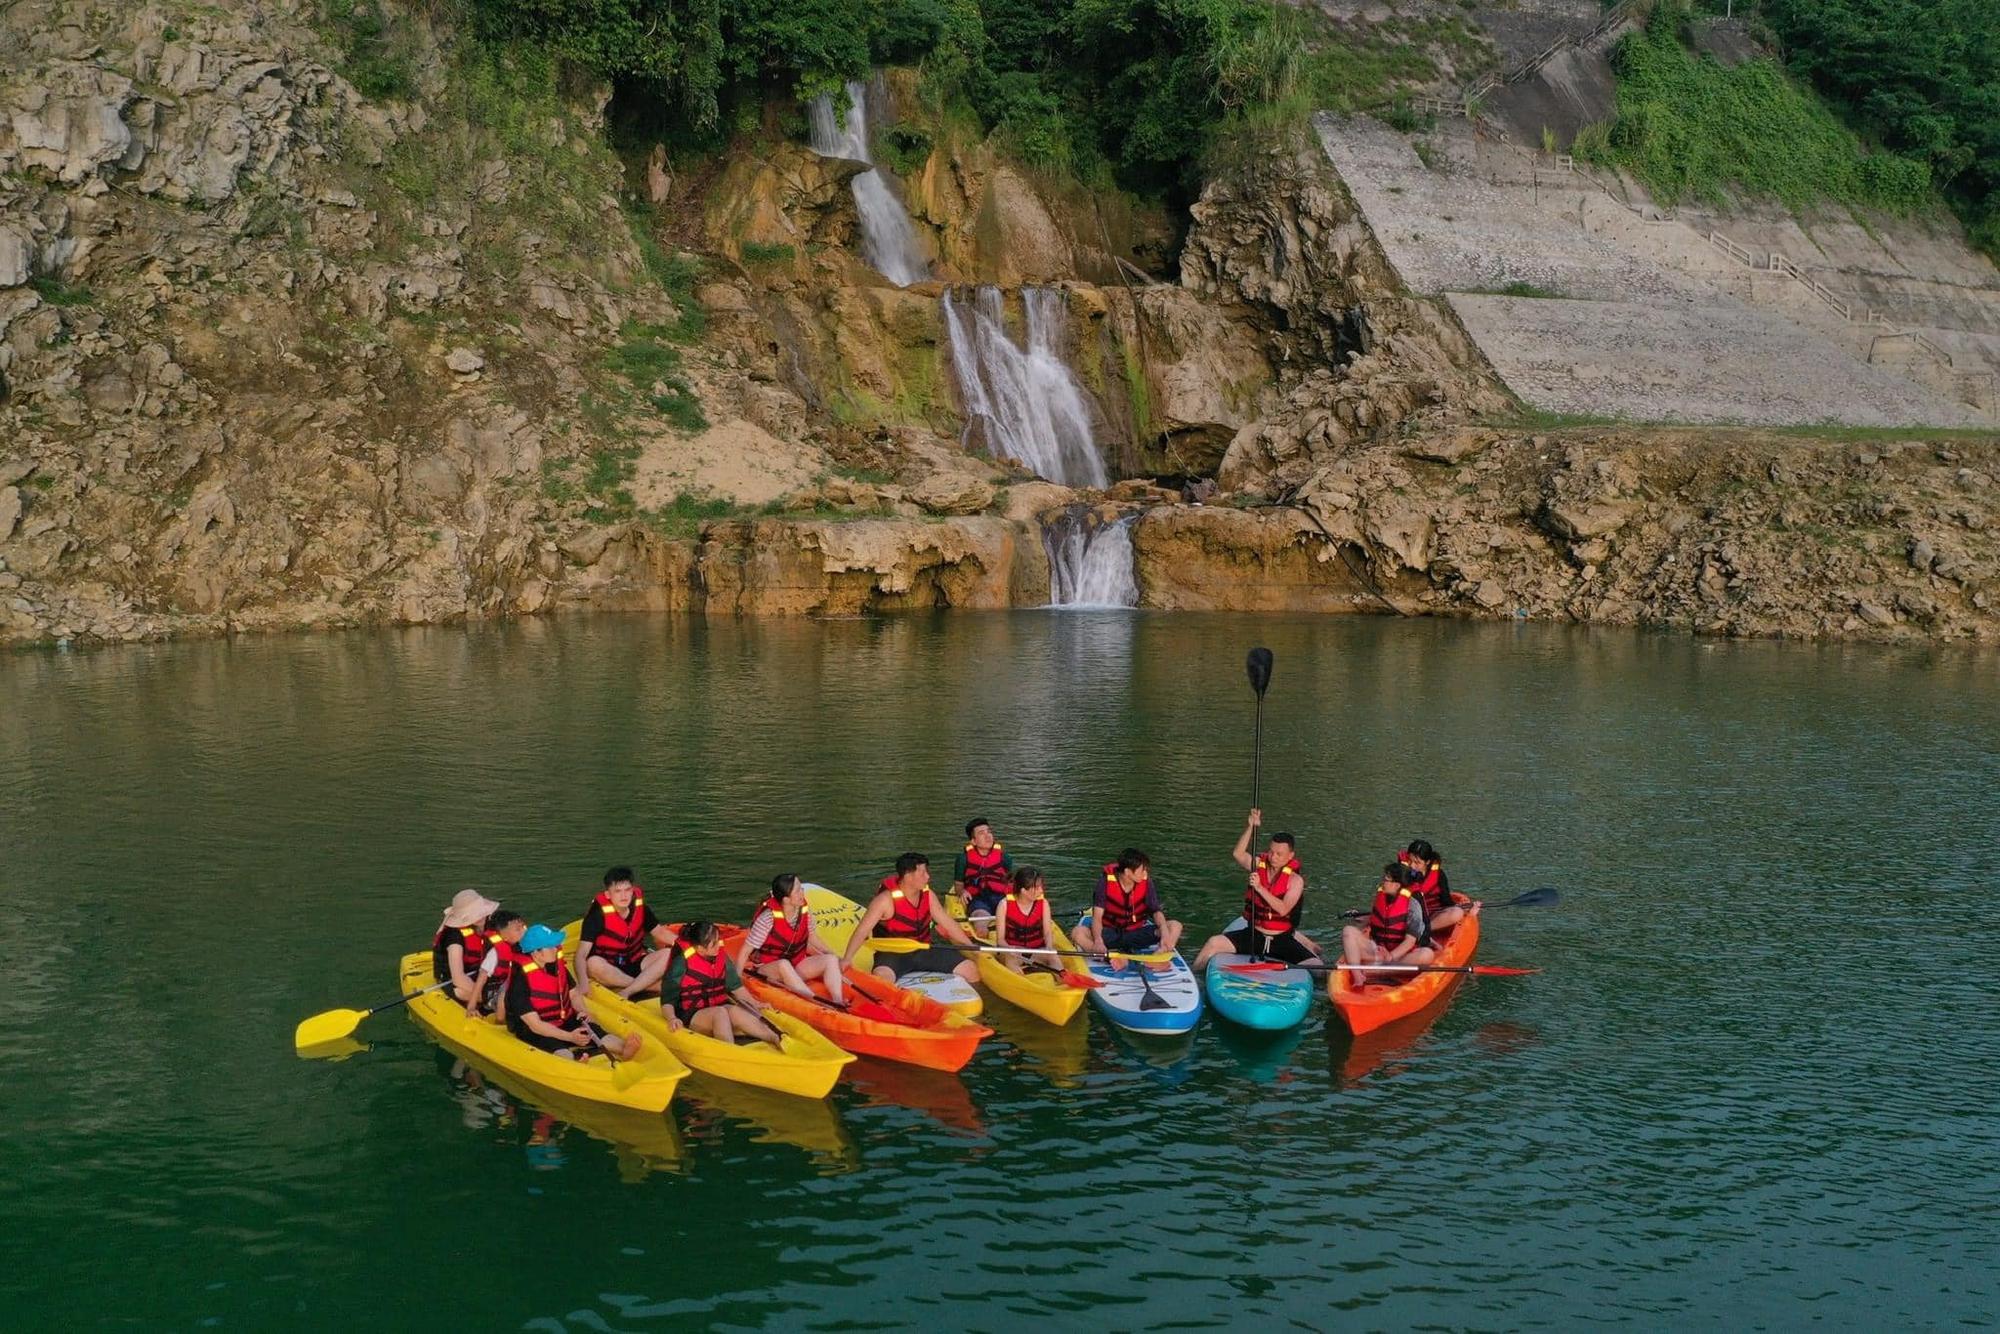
x=910 y=945
x=1258 y=667
x=1074 y=981
x=1534 y=898
x=333 y=1025
x=1481 y=969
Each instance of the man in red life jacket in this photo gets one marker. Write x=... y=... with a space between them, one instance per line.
x=1126 y=915
x=983 y=873
x=781 y=945
x=618 y=927
x=904 y=907
x=460 y=943
x=704 y=991
x=1396 y=931
x=1272 y=903
x=503 y=954
x=1442 y=908
x=545 y=1004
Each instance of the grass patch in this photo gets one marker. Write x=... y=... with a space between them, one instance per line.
x=373 y=57
x=59 y=293
x=1139 y=393
x=755 y=252
x=1689 y=128
x=650 y=367
x=904 y=149
x=1519 y=289
x=677 y=275
x=684 y=515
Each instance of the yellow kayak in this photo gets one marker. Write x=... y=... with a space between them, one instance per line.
x=489 y=1039
x=807 y=1066
x=1043 y=995
x=835 y=916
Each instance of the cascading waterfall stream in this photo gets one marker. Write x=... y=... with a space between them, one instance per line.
x=1090 y=559
x=1022 y=396
x=888 y=241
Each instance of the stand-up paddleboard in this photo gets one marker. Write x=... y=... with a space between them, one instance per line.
x=1123 y=995
x=1266 y=998
x=835 y=916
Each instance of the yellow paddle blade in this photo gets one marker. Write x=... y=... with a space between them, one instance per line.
x=1158 y=956
x=329 y=1026
x=626 y=1075
x=896 y=944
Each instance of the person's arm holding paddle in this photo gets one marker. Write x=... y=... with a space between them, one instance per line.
x=1242 y=854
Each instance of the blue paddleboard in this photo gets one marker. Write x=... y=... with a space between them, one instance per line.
x=1266 y=998
x=1123 y=995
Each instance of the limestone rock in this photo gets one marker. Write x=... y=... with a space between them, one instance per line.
x=949 y=494
x=10 y=511
x=464 y=361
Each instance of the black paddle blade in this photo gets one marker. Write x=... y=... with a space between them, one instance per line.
x=1259 y=668
x=1534 y=898
x=1152 y=1000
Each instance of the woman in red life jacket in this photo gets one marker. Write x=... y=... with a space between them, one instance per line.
x=460 y=943
x=1272 y=903
x=781 y=945
x=620 y=933
x=983 y=873
x=1024 y=923
x=904 y=907
x=1442 y=909
x=1396 y=930
x=545 y=1004
x=1126 y=915
x=503 y=954
x=703 y=990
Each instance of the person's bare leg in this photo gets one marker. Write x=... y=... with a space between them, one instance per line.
x=650 y=972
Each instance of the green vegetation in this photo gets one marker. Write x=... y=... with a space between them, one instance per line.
x=1519 y=288
x=676 y=275
x=1918 y=75
x=59 y=293
x=374 y=62
x=1692 y=129
x=755 y=252
x=1139 y=89
x=684 y=515
x=650 y=367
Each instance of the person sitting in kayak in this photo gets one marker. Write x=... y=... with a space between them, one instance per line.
x=460 y=944
x=1271 y=904
x=618 y=926
x=503 y=955
x=1396 y=931
x=703 y=991
x=782 y=947
x=545 y=1003
x=982 y=875
x=1442 y=909
x=905 y=909
x=1025 y=923
x=1126 y=916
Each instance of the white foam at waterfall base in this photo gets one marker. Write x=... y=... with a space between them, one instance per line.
x=1090 y=563
x=1024 y=394
x=888 y=241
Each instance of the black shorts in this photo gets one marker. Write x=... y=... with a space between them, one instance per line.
x=1141 y=939
x=936 y=959
x=986 y=903
x=556 y=1045
x=1286 y=948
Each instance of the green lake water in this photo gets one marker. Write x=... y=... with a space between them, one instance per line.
x=1753 y=1086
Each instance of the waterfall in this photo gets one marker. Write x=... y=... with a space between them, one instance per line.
x=1022 y=397
x=1090 y=559
x=888 y=241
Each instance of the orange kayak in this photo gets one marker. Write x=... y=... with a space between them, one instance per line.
x=1365 y=1008
x=881 y=1019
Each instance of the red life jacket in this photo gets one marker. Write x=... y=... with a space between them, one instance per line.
x=1389 y=919
x=622 y=943
x=1259 y=913
x=785 y=940
x=1023 y=933
x=704 y=985
x=1433 y=897
x=468 y=938
x=1124 y=910
x=983 y=872
x=548 y=992
x=908 y=918
x=506 y=958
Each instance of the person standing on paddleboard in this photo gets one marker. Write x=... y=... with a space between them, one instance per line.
x=904 y=908
x=983 y=873
x=1271 y=904
x=1126 y=915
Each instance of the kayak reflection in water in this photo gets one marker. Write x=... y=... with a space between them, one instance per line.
x=1396 y=932
x=703 y=991
x=1126 y=914
x=781 y=945
x=1025 y=923
x=905 y=909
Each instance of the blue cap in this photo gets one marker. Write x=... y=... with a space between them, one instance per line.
x=539 y=937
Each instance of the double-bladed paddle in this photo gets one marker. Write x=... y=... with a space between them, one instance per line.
x=1534 y=898
x=1480 y=969
x=910 y=945
x=332 y=1025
